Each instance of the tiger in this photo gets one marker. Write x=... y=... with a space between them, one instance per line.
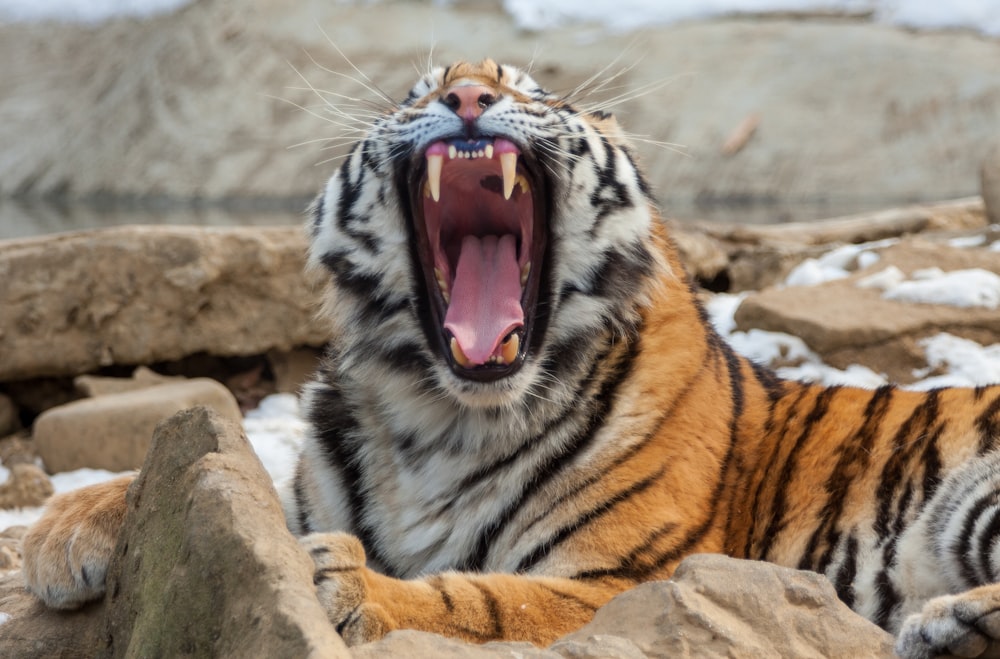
x=526 y=410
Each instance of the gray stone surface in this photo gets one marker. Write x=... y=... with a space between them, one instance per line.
x=716 y=606
x=202 y=104
x=138 y=295
x=114 y=432
x=204 y=565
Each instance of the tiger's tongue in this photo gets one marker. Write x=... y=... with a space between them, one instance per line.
x=485 y=296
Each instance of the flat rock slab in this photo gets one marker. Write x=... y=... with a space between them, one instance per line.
x=73 y=303
x=847 y=324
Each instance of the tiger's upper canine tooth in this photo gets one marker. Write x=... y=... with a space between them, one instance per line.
x=434 y=165
x=508 y=163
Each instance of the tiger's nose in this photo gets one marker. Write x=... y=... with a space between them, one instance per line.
x=469 y=101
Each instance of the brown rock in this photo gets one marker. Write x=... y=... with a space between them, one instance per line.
x=716 y=606
x=10 y=548
x=142 y=378
x=33 y=631
x=421 y=645
x=8 y=416
x=293 y=368
x=990 y=182
x=113 y=432
x=847 y=325
x=135 y=295
x=204 y=565
x=26 y=486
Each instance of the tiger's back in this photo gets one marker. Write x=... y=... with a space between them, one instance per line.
x=526 y=410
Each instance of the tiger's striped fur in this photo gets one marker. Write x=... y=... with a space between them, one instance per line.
x=626 y=435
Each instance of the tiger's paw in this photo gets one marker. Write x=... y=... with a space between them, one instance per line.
x=963 y=625
x=342 y=587
x=67 y=552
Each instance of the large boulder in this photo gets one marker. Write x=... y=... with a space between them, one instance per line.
x=989 y=176
x=205 y=565
x=73 y=303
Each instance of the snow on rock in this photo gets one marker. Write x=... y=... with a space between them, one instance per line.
x=974 y=287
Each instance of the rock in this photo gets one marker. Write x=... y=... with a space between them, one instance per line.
x=142 y=378
x=758 y=256
x=17 y=449
x=138 y=295
x=8 y=416
x=204 y=565
x=10 y=548
x=990 y=182
x=846 y=324
x=26 y=486
x=32 y=631
x=113 y=432
x=716 y=606
x=421 y=645
x=201 y=104
x=600 y=646
x=293 y=368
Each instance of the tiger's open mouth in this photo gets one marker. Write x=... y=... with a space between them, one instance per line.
x=479 y=216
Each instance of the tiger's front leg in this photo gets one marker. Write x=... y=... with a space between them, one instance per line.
x=963 y=625
x=365 y=605
x=67 y=552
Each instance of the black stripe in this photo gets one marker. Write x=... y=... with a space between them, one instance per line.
x=844 y=581
x=301 y=505
x=335 y=433
x=776 y=521
x=546 y=546
x=988 y=424
x=437 y=583
x=583 y=604
x=363 y=287
x=629 y=566
x=318 y=209
x=492 y=608
x=854 y=456
x=962 y=545
x=578 y=445
x=988 y=536
x=768 y=464
x=908 y=441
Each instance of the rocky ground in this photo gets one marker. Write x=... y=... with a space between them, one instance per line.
x=105 y=334
x=213 y=487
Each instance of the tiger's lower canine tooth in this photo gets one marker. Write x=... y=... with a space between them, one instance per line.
x=508 y=163
x=525 y=271
x=434 y=165
x=456 y=352
x=510 y=348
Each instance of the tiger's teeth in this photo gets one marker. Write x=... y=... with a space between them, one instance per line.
x=442 y=285
x=456 y=352
x=523 y=182
x=452 y=152
x=508 y=163
x=488 y=151
x=434 y=165
x=510 y=348
x=525 y=270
